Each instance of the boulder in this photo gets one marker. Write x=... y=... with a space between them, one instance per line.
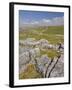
x=43 y=60
x=23 y=49
x=24 y=58
x=28 y=57
x=58 y=70
x=28 y=42
x=43 y=43
x=34 y=53
x=50 y=46
x=42 y=64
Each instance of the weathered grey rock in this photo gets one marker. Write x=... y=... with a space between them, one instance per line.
x=42 y=64
x=28 y=57
x=37 y=52
x=24 y=49
x=30 y=54
x=27 y=42
x=34 y=53
x=24 y=58
x=43 y=43
x=58 y=70
x=50 y=46
x=43 y=60
x=54 y=61
x=51 y=68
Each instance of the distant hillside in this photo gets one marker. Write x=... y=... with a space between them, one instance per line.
x=55 y=30
x=45 y=29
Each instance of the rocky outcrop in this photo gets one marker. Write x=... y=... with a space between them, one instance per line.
x=50 y=67
x=28 y=57
x=42 y=64
x=58 y=70
x=30 y=54
x=42 y=44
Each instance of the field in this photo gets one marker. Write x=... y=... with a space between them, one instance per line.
x=53 y=34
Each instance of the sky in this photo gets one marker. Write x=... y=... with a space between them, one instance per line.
x=40 y=18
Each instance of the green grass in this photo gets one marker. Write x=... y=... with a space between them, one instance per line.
x=30 y=73
x=55 y=30
x=49 y=33
x=50 y=53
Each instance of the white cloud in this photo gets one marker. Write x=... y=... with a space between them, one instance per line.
x=54 y=21
x=46 y=22
x=58 y=21
x=34 y=22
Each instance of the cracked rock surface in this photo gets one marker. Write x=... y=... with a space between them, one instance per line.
x=30 y=54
